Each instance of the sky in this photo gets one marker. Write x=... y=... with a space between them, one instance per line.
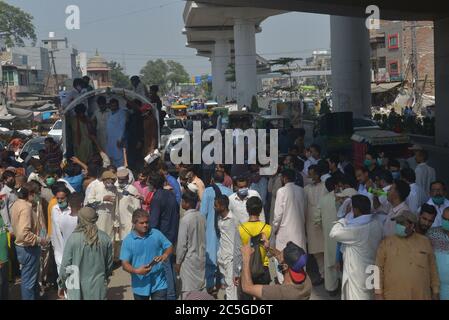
x=134 y=31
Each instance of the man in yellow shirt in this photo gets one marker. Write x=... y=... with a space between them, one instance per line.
x=250 y=229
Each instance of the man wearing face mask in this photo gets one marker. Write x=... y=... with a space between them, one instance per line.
x=63 y=224
x=292 y=263
x=440 y=243
x=438 y=200
x=208 y=211
x=237 y=201
x=395 y=168
x=397 y=195
x=372 y=164
x=406 y=263
x=103 y=197
x=128 y=202
x=27 y=240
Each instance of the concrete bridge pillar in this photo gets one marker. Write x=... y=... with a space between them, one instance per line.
x=245 y=60
x=441 y=38
x=351 y=75
x=221 y=58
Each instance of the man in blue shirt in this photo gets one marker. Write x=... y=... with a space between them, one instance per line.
x=208 y=211
x=143 y=253
x=164 y=216
x=174 y=184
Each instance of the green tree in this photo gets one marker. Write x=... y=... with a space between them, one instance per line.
x=118 y=77
x=161 y=73
x=16 y=26
x=177 y=73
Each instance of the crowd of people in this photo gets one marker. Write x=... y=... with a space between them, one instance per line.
x=379 y=231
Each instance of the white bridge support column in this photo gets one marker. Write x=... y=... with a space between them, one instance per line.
x=221 y=58
x=245 y=61
x=441 y=36
x=351 y=75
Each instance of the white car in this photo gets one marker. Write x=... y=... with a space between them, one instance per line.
x=175 y=137
x=56 y=130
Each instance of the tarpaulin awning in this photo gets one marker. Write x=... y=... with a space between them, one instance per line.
x=379 y=137
x=4 y=114
x=384 y=87
x=21 y=113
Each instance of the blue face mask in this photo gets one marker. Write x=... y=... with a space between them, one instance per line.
x=400 y=230
x=379 y=161
x=438 y=200
x=445 y=224
x=367 y=163
x=396 y=175
x=243 y=193
x=63 y=205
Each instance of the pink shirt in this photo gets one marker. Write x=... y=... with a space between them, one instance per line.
x=143 y=191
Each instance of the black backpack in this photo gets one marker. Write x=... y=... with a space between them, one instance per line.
x=256 y=262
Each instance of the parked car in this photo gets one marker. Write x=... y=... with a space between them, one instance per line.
x=56 y=130
x=33 y=146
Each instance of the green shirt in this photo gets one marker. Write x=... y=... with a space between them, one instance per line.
x=3 y=242
x=94 y=265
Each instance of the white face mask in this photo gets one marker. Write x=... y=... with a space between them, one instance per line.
x=109 y=185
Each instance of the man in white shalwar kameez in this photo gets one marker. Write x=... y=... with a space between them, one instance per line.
x=102 y=196
x=274 y=184
x=326 y=216
x=288 y=221
x=360 y=236
x=315 y=238
x=128 y=202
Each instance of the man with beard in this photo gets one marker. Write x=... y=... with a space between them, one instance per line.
x=426 y=218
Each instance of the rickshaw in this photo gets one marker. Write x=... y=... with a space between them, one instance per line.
x=241 y=120
x=201 y=115
x=272 y=122
x=210 y=105
x=179 y=111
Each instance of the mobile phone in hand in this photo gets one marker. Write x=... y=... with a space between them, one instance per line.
x=151 y=264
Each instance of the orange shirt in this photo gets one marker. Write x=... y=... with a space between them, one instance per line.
x=51 y=204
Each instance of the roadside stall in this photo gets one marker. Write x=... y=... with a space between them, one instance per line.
x=393 y=144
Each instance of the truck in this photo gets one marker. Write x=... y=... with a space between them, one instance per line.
x=89 y=99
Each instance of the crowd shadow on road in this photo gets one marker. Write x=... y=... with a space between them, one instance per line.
x=117 y=293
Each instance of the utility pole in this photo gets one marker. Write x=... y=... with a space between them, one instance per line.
x=52 y=57
x=414 y=58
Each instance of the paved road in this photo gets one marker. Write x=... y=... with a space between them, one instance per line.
x=120 y=289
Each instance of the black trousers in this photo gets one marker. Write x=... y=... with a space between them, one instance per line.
x=4 y=283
